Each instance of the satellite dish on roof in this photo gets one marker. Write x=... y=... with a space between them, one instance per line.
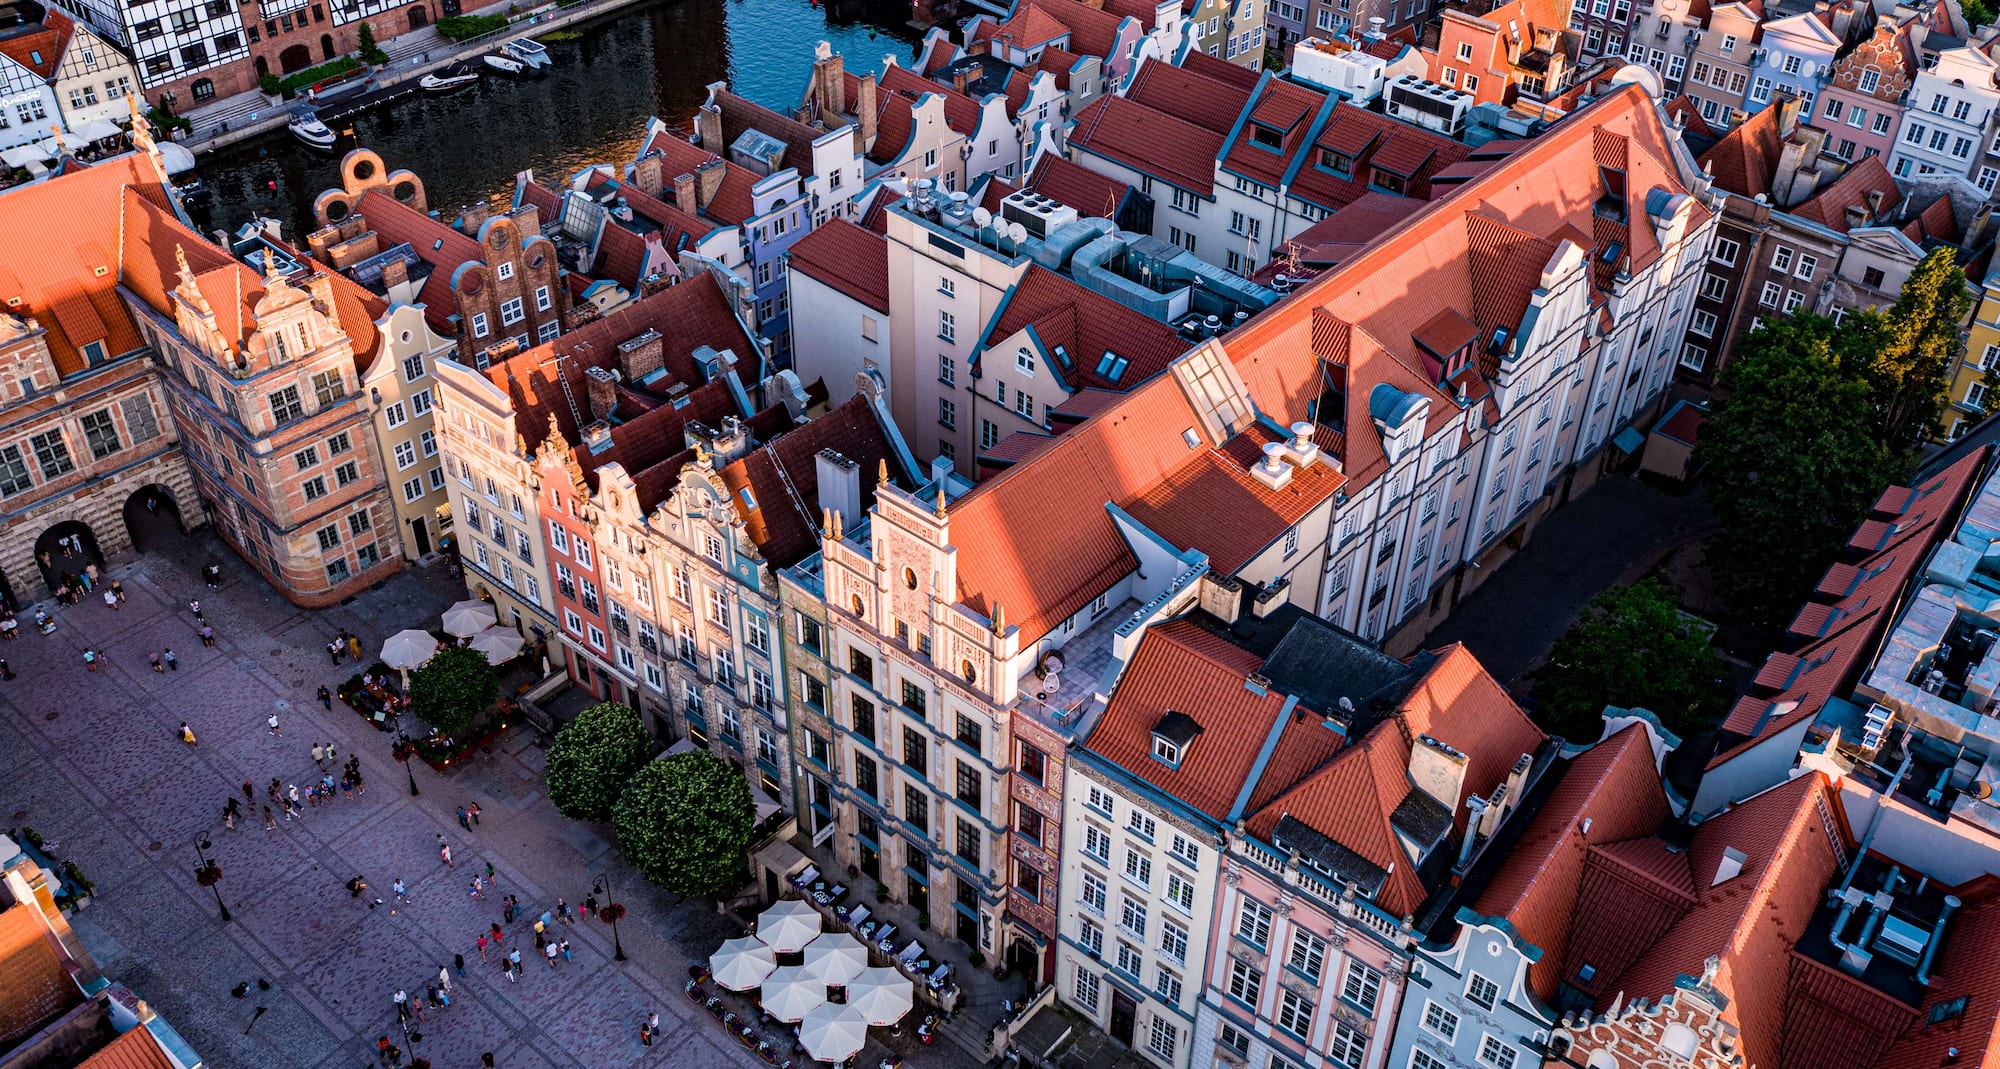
x=981 y=217
x=1017 y=233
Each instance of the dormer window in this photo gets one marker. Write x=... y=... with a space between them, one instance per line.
x=1388 y=183
x=1172 y=736
x=1266 y=136
x=1337 y=163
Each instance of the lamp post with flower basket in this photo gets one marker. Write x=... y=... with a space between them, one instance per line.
x=611 y=912
x=209 y=874
x=403 y=749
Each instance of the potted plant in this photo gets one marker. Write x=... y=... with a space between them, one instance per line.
x=881 y=892
x=924 y=921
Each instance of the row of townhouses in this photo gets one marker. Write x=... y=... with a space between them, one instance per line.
x=58 y=79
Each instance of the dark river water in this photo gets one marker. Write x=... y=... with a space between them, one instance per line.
x=654 y=58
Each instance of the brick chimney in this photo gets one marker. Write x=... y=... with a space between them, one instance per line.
x=864 y=110
x=640 y=356
x=708 y=129
x=961 y=79
x=527 y=219
x=602 y=384
x=473 y=217
x=684 y=192
x=646 y=173
x=708 y=180
x=395 y=273
x=830 y=81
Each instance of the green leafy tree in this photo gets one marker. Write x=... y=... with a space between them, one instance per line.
x=685 y=822
x=1913 y=347
x=1632 y=647
x=370 y=51
x=1794 y=454
x=1978 y=13
x=452 y=688
x=592 y=757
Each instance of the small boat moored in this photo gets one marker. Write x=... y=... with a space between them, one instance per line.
x=448 y=79
x=529 y=52
x=307 y=128
x=507 y=65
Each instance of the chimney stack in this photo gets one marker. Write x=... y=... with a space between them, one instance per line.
x=646 y=174
x=839 y=486
x=830 y=80
x=602 y=385
x=864 y=110
x=639 y=357
x=1438 y=770
x=708 y=181
x=684 y=192
x=708 y=129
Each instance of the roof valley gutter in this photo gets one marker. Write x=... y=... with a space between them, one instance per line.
x=1263 y=758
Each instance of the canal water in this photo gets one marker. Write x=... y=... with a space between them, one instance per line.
x=654 y=58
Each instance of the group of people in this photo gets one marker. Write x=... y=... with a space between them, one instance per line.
x=344 y=645
x=288 y=798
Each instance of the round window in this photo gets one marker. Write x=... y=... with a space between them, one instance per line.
x=910 y=578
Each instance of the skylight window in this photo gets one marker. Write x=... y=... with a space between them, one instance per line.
x=1112 y=366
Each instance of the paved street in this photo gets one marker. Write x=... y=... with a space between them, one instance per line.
x=91 y=761
x=1614 y=533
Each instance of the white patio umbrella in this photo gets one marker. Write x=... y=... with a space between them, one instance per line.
x=788 y=925
x=880 y=995
x=23 y=155
x=96 y=130
x=499 y=644
x=741 y=964
x=789 y=993
x=408 y=649
x=835 y=958
x=468 y=618
x=832 y=1032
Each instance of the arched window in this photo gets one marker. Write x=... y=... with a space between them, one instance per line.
x=203 y=89
x=859 y=609
x=965 y=669
x=910 y=578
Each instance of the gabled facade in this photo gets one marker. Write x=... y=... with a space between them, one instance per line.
x=1719 y=69
x=1797 y=56
x=29 y=104
x=1950 y=111
x=94 y=80
x=1862 y=105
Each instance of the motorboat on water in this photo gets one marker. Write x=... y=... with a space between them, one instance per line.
x=505 y=64
x=529 y=52
x=448 y=79
x=307 y=128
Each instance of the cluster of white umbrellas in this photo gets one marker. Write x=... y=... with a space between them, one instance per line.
x=829 y=1031
x=476 y=620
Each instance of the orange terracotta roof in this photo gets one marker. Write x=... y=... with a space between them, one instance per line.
x=1220 y=70
x=1091 y=194
x=1086 y=324
x=1183 y=507
x=1844 y=633
x=1750 y=921
x=782 y=516
x=732 y=203
x=136 y=1049
x=1353 y=798
x=1964 y=969
x=35 y=987
x=1186 y=92
x=1031 y=26
x=436 y=243
x=1154 y=142
x=849 y=259
x=1181 y=667
x=1746 y=158
x=1829 y=206
x=961 y=112
x=1092 y=32
x=1058 y=63
x=40 y=51
x=1615 y=788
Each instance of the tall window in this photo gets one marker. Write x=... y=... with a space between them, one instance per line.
x=328 y=387
x=101 y=433
x=285 y=405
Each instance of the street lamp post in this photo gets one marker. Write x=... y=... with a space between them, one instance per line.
x=209 y=874
x=611 y=911
x=403 y=750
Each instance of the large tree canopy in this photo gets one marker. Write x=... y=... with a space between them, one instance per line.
x=1912 y=349
x=1631 y=647
x=685 y=822
x=452 y=688
x=592 y=757
x=1794 y=455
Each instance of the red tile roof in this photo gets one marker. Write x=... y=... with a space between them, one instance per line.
x=1746 y=158
x=1964 y=969
x=60 y=232
x=783 y=479
x=1844 y=633
x=1031 y=26
x=46 y=43
x=1750 y=921
x=436 y=243
x=35 y=987
x=1182 y=667
x=1086 y=324
x=1153 y=142
x=136 y=1049
x=732 y=202
x=961 y=112
x=740 y=114
x=1614 y=787
x=1183 y=507
x=1352 y=798
x=1092 y=32
x=1207 y=102
x=1829 y=206
x=1091 y=194
x=849 y=259
x=1220 y=70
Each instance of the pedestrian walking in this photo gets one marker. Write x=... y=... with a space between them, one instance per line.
x=173 y=662
x=476 y=889
x=499 y=937
x=444 y=977
x=90 y=659
x=540 y=938
x=118 y=590
x=482 y=947
x=382 y=1050
x=347 y=786
x=565 y=951
x=354 y=648
x=272 y=790
x=514 y=962
x=551 y=952
x=507 y=909
x=464 y=821
x=272 y=722
x=312 y=796
x=270 y=821
x=326 y=697
x=292 y=794
x=473 y=809
x=486 y=1060
x=207 y=635
x=154 y=660
x=458 y=960
x=444 y=854
x=111 y=600
x=229 y=818
x=194 y=606
x=653 y=1021
x=402 y=892
x=319 y=755
x=249 y=791
x=489 y=872
x=417 y=1007
x=440 y=998
x=333 y=650
x=645 y=1034
x=6 y=670
x=562 y=910
x=187 y=734
x=402 y=1001
x=590 y=905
